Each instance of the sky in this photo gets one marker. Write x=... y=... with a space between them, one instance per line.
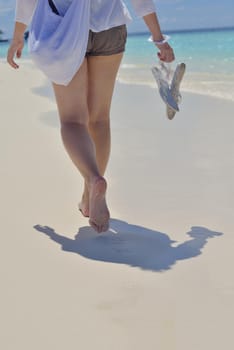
x=191 y=14
x=173 y=15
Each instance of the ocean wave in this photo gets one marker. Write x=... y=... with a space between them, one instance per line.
x=128 y=66
x=214 y=85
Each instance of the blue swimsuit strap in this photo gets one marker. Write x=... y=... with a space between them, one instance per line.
x=53 y=7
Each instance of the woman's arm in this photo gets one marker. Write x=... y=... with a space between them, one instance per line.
x=166 y=53
x=17 y=44
x=24 y=10
x=147 y=10
x=23 y=14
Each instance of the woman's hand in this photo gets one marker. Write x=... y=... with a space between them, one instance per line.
x=15 y=50
x=166 y=53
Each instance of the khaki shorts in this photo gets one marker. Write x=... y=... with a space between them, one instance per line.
x=108 y=42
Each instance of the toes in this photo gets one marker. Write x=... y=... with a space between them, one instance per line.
x=99 y=228
x=105 y=227
x=94 y=225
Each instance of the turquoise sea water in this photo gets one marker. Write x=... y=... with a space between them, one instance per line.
x=215 y=48
x=208 y=54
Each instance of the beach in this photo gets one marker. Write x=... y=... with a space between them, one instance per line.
x=162 y=276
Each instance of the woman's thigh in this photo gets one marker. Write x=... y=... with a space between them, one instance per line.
x=72 y=100
x=102 y=72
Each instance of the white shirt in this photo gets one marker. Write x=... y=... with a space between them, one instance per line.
x=104 y=14
x=58 y=44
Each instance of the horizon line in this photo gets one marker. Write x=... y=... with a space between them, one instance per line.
x=171 y=31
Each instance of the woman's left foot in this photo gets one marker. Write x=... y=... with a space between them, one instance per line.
x=84 y=204
x=84 y=209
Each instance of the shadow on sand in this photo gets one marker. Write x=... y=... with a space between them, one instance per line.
x=132 y=245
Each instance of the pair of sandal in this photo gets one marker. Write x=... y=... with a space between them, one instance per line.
x=169 y=91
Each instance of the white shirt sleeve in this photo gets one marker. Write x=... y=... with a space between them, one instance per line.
x=143 y=7
x=24 y=10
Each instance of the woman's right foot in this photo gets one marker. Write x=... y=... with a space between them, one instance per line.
x=98 y=211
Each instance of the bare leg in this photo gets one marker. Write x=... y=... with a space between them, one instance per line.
x=74 y=115
x=102 y=71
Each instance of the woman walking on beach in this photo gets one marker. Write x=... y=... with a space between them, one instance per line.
x=84 y=99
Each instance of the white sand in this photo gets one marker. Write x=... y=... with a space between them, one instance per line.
x=132 y=288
